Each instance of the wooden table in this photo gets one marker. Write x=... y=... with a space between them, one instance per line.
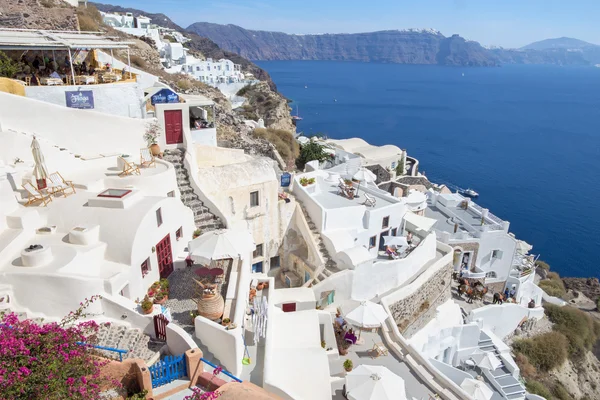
x=84 y=79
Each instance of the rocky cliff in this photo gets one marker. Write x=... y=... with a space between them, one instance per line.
x=407 y=46
x=38 y=14
x=398 y=46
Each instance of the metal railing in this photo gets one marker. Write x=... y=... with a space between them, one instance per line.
x=95 y=346
x=224 y=372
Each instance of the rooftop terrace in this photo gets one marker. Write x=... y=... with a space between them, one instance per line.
x=326 y=193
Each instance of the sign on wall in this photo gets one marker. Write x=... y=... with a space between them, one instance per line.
x=83 y=99
x=285 y=179
x=164 y=96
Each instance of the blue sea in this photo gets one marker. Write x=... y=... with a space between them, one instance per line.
x=527 y=138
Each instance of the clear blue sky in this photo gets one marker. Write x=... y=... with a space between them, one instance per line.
x=508 y=23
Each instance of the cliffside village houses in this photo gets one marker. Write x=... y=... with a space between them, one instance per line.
x=271 y=275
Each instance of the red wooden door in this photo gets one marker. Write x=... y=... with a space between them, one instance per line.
x=288 y=307
x=173 y=126
x=165 y=257
x=160 y=327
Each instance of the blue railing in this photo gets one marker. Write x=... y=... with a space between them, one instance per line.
x=223 y=371
x=95 y=346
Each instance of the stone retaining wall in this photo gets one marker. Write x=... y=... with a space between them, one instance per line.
x=414 y=311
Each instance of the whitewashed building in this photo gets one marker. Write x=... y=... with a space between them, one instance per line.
x=213 y=72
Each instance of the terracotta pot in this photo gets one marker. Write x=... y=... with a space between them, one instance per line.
x=155 y=149
x=165 y=298
x=348 y=369
x=260 y=286
x=343 y=352
x=145 y=312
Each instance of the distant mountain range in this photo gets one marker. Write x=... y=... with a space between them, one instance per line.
x=394 y=46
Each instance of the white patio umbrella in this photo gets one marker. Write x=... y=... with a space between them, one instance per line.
x=367 y=315
x=486 y=360
x=39 y=170
x=374 y=382
x=399 y=241
x=224 y=243
x=477 y=389
x=364 y=175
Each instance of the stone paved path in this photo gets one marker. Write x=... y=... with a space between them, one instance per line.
x=181 y=290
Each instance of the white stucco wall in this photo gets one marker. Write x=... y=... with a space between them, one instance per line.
x=496 y=240
x=503 y=319
x=80 y=131
x=227 y=346
x=120 y=99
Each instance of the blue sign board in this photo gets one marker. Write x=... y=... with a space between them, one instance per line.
x=164 y=96
x=83 y=99
x=285 y=179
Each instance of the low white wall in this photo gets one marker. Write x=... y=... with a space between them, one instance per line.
x=456 y=375
x=315 y=211
x=326 y=320
x=227 y=346
x=383 y=276
x=553 y=300
x=116 y=307
x=207 y=136
x=178 y=340
x=81 y=131
x=120 y=99
x=503 y=319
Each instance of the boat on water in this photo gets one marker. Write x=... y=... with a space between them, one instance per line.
x=296 y=117
x=469 y=193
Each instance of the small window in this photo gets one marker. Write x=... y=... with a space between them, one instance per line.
x=386 y=222
x=145 y=267
x=372 y=242
x=159 y=220
x=394 y=231
x=258 y=252
x=171 y=193
x=497 y=254
x=179 y=233
x=393 y=164
x=275 y=262
x=257 y=268
x=254 y=199
x=491 y=274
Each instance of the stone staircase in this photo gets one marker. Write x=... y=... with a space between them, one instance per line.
x=330 y=267
x=205 y=220
x=510 y=387
x=134 y=340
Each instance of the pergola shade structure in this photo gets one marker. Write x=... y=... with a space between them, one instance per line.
x=29 y=39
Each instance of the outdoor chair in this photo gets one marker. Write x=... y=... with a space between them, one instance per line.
x=378 y=350
x=60 y=185
x=146 y=158
x=369 y=201
x=34 y=195
x=129 y=168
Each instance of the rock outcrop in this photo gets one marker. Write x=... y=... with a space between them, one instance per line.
x=38 y=14
x=590 y=287
x=272 y=107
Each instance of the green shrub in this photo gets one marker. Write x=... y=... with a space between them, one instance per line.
x=89 y=18
x=543 y=265
x=578 y=327
x=284 y=142
x=553 y=287
x=546 y=351
x=560 y=392
x=311 y=151
x=535 y=387
x=137 y=61
x=555 y=277
x=8 y=67
x=528 y=371
x=184 y=84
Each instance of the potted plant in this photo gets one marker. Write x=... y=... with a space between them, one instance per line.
x=160 y=298
x=164 y=285
x=226 y=322
x=155 y=286
x=196 y=233
x=348 y=365
x=323 y=344
x=304 y=181
x=153 y=131
x=311 y=181
x=193 y=315
x=147 y=305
